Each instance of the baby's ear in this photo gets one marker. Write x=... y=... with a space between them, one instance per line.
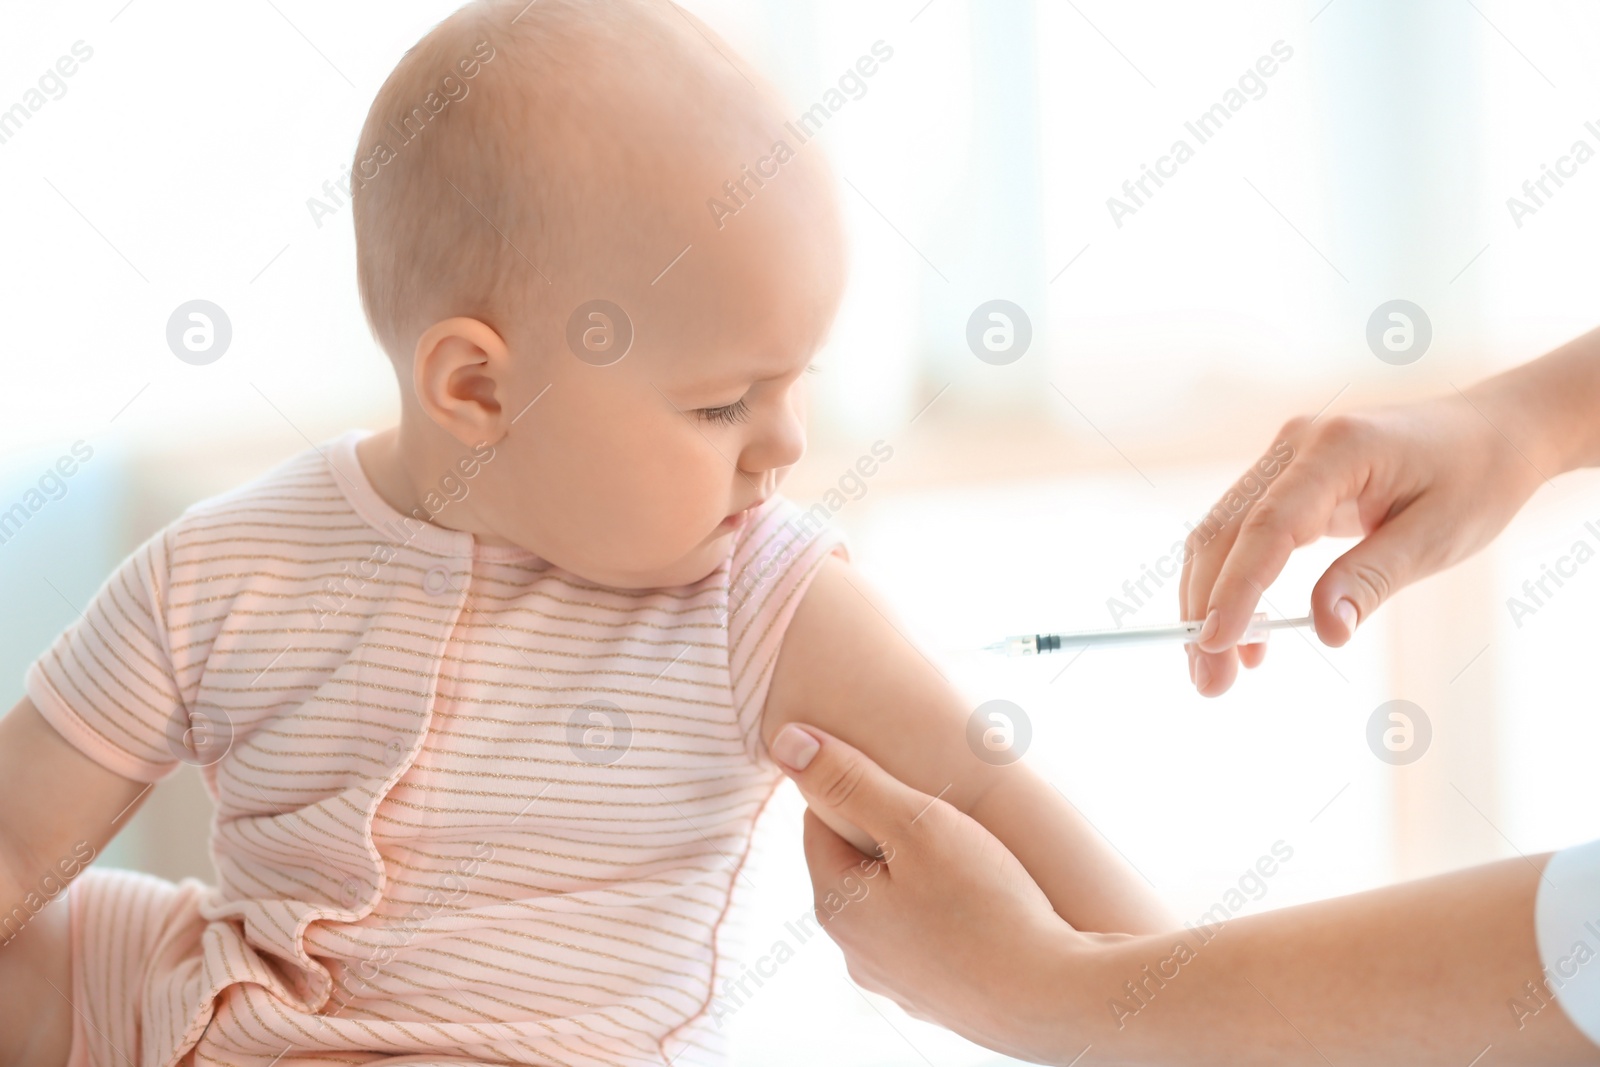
x=459 y=376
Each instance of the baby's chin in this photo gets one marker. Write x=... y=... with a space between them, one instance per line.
x=694 y=566
x=701 y=563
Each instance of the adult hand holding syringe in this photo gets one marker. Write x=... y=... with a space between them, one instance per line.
x=1426 y=485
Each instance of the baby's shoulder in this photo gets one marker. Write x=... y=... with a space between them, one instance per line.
x=776 y=555
x=275 y=537
x=778 y=535
x=300 y=487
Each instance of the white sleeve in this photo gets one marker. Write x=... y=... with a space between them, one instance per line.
x=1567 y=923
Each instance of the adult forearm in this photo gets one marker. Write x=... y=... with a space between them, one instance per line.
x=1429 y=972
x=1550 y=408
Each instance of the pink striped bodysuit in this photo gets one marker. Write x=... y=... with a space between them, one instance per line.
x=470 y=808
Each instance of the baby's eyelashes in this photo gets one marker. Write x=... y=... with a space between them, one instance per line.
x=739 y=410
x=727 y=414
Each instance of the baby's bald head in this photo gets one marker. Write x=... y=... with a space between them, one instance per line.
x=521 y=157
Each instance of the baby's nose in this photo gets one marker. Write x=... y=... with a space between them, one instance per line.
x=780 y=442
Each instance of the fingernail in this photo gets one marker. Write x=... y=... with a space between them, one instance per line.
x=1209 y=630
x=1190 y=650
x=793 y=748
x=1347 y=614
x=1202 y=673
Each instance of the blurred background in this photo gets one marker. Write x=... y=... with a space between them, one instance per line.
x=1170 y=337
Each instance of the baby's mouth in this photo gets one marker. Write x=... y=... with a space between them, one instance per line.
x=740 y=517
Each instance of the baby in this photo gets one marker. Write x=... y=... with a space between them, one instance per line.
x=483 y=699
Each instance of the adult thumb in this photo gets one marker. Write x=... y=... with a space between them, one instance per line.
x=1380 y=565
x=839 y=781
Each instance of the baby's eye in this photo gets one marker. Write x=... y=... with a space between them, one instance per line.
x=727 y=414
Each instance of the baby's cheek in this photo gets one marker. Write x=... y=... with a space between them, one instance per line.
x=630 y=481
x=651 y=486
x=686 y=487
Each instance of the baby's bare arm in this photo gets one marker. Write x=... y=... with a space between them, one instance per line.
x=57 y=807
x=846 y=669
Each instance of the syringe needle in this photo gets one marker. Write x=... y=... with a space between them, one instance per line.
x=1184 y=632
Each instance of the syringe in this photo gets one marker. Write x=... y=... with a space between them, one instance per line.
x=1185 y=632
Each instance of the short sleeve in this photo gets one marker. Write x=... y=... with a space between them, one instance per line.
x=1567 y=924
x=778 y=554
x=107 y=682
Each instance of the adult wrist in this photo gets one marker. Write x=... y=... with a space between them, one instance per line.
x=1549 y=408
x=1065 y=1005
x=1518 y=407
